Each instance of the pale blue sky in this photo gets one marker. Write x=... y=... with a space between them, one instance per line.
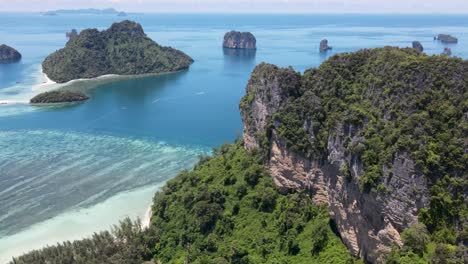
x=248 y=6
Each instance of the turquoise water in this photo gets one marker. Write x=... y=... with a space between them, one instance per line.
x=68 y=171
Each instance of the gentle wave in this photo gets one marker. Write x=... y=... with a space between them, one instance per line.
x=49 y=172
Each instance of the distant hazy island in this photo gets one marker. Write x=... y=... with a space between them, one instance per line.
x=123 y=49
x=89 y=11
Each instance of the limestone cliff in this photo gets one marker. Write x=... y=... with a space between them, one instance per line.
x=239 y=40
x=318 y=132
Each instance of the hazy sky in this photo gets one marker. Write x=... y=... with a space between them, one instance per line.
x=251 y=6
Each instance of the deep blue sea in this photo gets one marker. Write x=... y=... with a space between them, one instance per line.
x=66 y=172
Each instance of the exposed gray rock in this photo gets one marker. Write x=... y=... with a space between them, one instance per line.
x=418 y=46
x=445 y=38
x=8 y=54
x=239 y=40
x=324 y=46
x=447 y=52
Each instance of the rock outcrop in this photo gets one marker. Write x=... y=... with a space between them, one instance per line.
x=447 y=52
x=308 y=146
x=444 y=38
x=418 y=46
x=239 y=40
x=123 y=49
x=324 y=46
x=8 y=54
x=72 y=35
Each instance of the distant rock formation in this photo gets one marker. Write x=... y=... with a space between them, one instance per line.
x=324 y=45
x=8 y=54
x=418 y=46
x=122 y=14
x=444 y=38
x=239 y=40
x=73 y=34
x=447 y=52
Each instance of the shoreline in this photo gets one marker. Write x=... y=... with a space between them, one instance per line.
x=146 y=221
x=80 y=223
x=80 y=85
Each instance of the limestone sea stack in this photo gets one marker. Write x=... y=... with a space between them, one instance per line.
x=418 y=46
x=447 y=52
x=445 y=38
x=239 y=40
x=324 y=45
x=8 y=54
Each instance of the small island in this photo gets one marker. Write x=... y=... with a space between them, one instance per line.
x=58 y=97
x=122 y=14
x=239 y=40
x=9 y=54
x=123 y=49
x=447 y=52
x=418 y=46
x=324 y=45
x=445 y=38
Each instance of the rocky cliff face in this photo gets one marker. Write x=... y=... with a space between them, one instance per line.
x=239 y=40
x=306 y=147
x=8 y=54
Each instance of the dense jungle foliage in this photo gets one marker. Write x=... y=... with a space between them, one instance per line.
x=58 y=96
x=122 y=49
x=226 y=210
x=383 y=102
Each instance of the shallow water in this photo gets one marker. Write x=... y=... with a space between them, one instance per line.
x=64 y=170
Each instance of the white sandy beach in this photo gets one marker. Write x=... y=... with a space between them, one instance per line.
x=45 y=84
x=80 y=223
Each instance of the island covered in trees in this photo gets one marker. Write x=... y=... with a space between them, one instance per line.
x=59 y=96
x=9 y=54
x=123 y=49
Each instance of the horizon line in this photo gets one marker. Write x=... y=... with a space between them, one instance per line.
x=237 y=12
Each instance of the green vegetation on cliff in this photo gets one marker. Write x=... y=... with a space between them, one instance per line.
x=396 y=100
x=226 y=210
x=122 y=49
x=58 y=96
